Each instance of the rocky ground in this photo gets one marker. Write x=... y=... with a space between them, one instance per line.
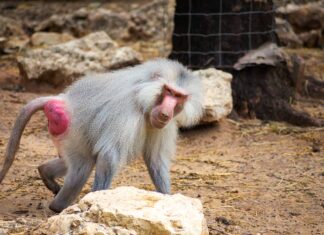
x=253 y=177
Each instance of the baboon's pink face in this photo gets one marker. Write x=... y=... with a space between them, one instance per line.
x=169 y=104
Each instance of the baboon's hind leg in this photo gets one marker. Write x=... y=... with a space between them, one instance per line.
x=51 y=170
x=77 y=174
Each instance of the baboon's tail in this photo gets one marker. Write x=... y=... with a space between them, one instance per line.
x=24 y=116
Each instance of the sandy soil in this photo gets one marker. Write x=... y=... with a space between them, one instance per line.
x=252 y=177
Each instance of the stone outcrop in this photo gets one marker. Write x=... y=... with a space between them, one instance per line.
x=307 y=21
x=63 y=63
x=128 y=210
x=84 y=21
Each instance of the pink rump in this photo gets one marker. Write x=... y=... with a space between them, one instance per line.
x=58 y=118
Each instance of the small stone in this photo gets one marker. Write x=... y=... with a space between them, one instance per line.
x=316 y=148
x=223 y=220
x=40 y=206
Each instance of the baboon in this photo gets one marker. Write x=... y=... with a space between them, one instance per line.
x=105 y=120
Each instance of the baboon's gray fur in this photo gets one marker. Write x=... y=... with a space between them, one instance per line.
x=109 y=127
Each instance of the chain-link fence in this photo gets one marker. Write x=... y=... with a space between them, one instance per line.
x=215 y=33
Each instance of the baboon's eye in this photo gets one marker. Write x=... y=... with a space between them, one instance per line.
x=168 y=91
x=177 y=95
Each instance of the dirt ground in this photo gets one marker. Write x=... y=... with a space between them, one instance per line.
x=252 y=177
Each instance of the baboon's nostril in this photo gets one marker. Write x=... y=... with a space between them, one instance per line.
x=164 y=115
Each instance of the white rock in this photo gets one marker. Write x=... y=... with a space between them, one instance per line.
x=218 y=101
x=63 y=63
x=128 y=210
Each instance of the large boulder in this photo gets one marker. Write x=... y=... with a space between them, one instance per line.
x=307 y=22
x=63 y=63
x=218 y=101
x=303 y=17
x=84 y=21
x=128 y=210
